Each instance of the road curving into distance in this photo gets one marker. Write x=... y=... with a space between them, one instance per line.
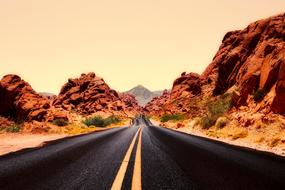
x=142 y=156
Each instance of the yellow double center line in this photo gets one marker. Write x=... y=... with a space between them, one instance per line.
x=136 y=180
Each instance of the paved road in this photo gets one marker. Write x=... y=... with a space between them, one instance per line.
x=143 y=155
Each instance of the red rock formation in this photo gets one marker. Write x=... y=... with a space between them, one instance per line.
x=20 y=101
x=89 y=94
x=131 y=104
x=4 y=122
x=156 y=105
x=186 y=83
x=252 y=59
x=86 y=95
x=185 y=88
x=278 y=104
x=249 y=59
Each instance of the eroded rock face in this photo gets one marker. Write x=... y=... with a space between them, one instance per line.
x=89 y=94
x=186 y=87
x=278 y=104
x=248 y=60
x=20 y=101
x=130 y=103
x=156 y=105
x=85 y=95
x=186 y=83
x=252 y=59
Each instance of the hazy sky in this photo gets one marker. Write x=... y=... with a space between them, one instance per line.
x=127 y=42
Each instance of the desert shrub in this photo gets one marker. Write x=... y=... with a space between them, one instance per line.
x=110 y=120
x=259 y=95
x=221 y=122
x=239 y=135
x=95 y=121
x=194 y=122
x=220 y=106
x=14 y=128
x=169 y=117
x=60 y=122
x=98 y=121
x=216 y=109
x=207 y=121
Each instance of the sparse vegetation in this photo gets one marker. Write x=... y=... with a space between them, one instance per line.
x=240 y=135
x=2 y=128
x=274 y=142
x=79 y=128
x=169 y=117
x=110 y=120
x=207 y=121
x=221 y=122
x=98 y=121
x=194 y=122
x=60 y=122
x=14 y=128
x=216 y=109
x=259 y=95
x=221 y=105
x=94 y=121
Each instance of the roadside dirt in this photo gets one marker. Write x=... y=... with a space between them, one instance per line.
x=246 y=141
x=12 y=142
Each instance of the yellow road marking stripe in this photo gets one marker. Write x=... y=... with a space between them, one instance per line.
x=117 y=184
x=137 y=179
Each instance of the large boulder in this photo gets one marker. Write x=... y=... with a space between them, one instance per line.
x=20 y=101
x=156 y=105
x=186 y=83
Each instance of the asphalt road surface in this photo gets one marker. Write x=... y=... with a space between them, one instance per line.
x=142 y=156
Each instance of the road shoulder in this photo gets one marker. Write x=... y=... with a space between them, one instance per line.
x=13 y=142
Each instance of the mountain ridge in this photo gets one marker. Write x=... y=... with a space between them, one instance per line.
x=143 y=95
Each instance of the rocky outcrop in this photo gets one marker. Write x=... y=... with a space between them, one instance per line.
x=89 y=94
x=18 y=100
x=131 y=104
x=186 y=84
x=252 y=59
x=5 y=122
x=249 y=61
x=180 y=99
x=156 y=105
x=85 y=95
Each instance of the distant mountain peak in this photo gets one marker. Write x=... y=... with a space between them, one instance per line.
x=143 y=95
x=140 y=86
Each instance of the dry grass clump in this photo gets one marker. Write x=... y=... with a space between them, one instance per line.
x=240 y=135
x=60 y=122
x=274 y=142
x=173 y=117
x=216 y=109
x=74 y=129
x=221 y=122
